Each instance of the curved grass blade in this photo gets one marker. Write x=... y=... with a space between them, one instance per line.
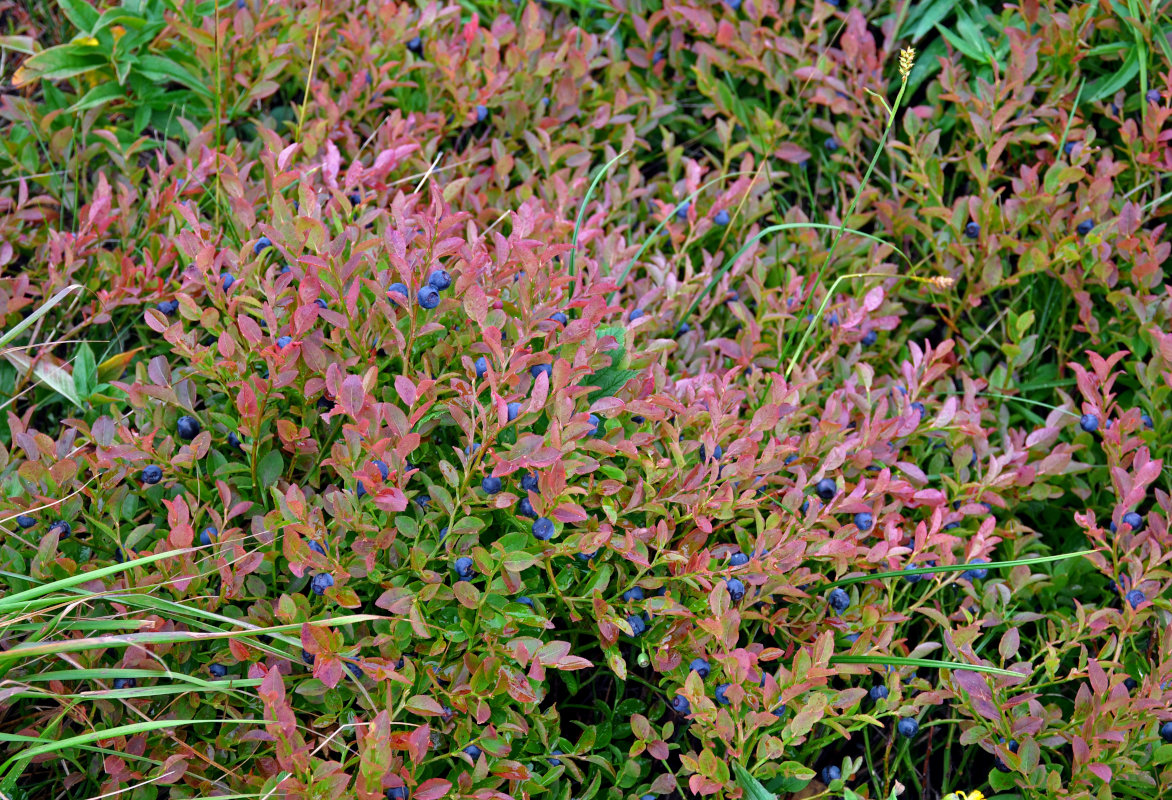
x=929 y=663
x=784 y=226
x=955 y=568
x=598 y=176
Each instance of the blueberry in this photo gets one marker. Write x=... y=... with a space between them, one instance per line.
x=152 y=474
x=831 y=145
x=382 y=468
x=682 y=209
x=586 y=556
x=863 y=521
x=361 y=492
x=1068 y=148
x=869 y=338
x=1089 y=423
x=683 y=328
x=415 y=45
x=950 y=526
x=208 y=535
x=1134 y=520
x=321 y=582
x=826 y=489
x=63 y=528
x=720 y=693
x=529 y=482
x=168 y=307
x=490 y=484
x=878 y=693
x=736 y=589
x=908 y=727
x=975 y=574
x=396 y=793
x=553 y=762
x=543 y=529
x=919 y=407
x=638 y=626
x=443 y=532
x=428 y=297
x=1085 y=227
x=481 y=367
x=316 y=547
x=701 y=667
x=125 y=683
x=439 y=279
x=1147 y=421
x=805 y=505
x=1166 y=732
x=972 y=230
x=284 y=341
x=1153 y=95
x=525 y=601
x=738 y=559
x=25 y=521
x=262 y=244
x=234 y=441
x=831 y=774
x=512 y=410
x=680 y=705
x=733 y=4
x=595 y=422
x=218 y=670
x=421 y=500
x=717 y=452
x=399 y=288
x=537 y=369
x=463 y=566
x=560 y=318
x=634 y=593
x=472 y=751
x=1135 y=597
x=284 y=270
x=226 y=280
x=636 y=313
x=839 y=600
x=187 y=427
x=307 y=656
x=481 y=113
x=638 y=420
x=1130 y=684
x=779 y=712
x=525 y=508
x=721 y=217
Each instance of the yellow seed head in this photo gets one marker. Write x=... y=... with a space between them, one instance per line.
x=907 y=58
x=944 y=282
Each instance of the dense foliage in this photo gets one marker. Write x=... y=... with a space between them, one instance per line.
x=549 y=400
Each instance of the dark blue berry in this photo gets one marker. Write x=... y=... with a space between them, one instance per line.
x=316 y=547
x=234 y=441
x=187 y=427
x=738 y=559
x=321 y=582
x=554 y=762
x=463 y=566
x=525 y=508
x=826 y=489
x=1134 y=520
x=25 y=521
x=721 y=217
x=473 y=752
x=415 y=45
x=972 y=230
x=125 y=683
x=439 y=279
x=682 y=209
x=636 y=313
x=490 y=484
x=1135 y=597
x=64 y=529
x=152 y=474
x=831 y=774
x=632 y=594
x=1166 y=732
x=869 y=338
x=543 y=529
x=529 y=482
x=701 y=667
x=1089 y=423
x=721 y=694
x=680 y=705
x=226 y=280
x=284 y=341
x=512 y=410
x=1085 y=227
x=525 y=601
x=397 y=288
x=428 y=297
x=537 y=369
x=839 y=600
x=307 y=657
x=638 y=626
x=218 y=670
x=481 y=367
x=908 y=727
x=863 y=521
x=560 y=318
x=168 y=307
x=396 y=793
x=262 y=244
x=879 y=692
x=208 y=535
x=736 y=589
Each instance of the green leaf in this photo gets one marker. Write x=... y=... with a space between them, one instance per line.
x=926 y=15
x=585 y=202
x=99 y=95
x=162 y=69
x=85 y=371
x=608 y=380
x=752 y=787
x=957 y=41
x=270 y=468
x=83 y=16
x=58 y=63
x=1112 y=82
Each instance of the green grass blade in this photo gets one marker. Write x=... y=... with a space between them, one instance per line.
x=598 y=176
x=929 y=663
x=956 y=568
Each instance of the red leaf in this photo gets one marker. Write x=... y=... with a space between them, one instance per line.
x=432 y=789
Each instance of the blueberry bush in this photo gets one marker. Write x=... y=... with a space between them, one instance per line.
x=585 y=399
